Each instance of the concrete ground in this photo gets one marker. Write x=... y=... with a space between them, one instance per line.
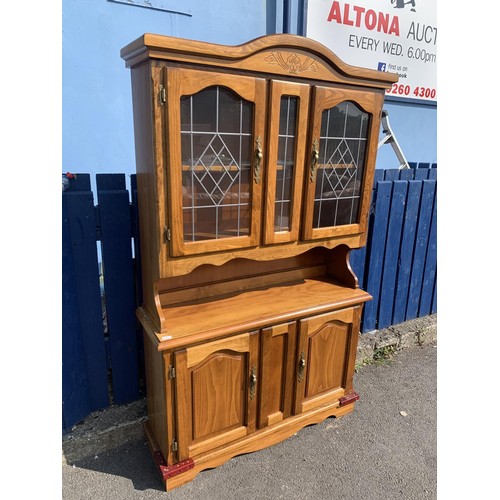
x=385 y=449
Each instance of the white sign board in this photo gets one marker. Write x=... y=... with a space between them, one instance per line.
x=388 y=35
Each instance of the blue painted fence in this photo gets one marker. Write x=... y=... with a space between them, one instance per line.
x=103 y=361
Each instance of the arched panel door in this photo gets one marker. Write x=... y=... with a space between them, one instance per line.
x=325 y=358
x=215 y=127
x=215 y=393
x=341 y=162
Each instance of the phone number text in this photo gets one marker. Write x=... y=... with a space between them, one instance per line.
x=407 y=90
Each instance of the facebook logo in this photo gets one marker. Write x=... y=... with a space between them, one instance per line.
x=381 y=66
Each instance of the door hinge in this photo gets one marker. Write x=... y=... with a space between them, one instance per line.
x=171 y=372
x=167 y=234
x=175 y=445
x=162 y=95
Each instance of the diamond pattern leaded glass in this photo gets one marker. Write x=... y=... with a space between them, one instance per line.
x=343 y=137
x=216 y=152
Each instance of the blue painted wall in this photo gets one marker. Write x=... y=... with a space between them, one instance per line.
x=97 y=122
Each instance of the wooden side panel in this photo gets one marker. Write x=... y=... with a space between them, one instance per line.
x=352 y=346
x=277 y=373
x=156 y=393
x=339 y=268
x=183 y=405
x=149 y=184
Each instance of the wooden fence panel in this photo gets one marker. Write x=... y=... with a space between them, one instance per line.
x=379 y=176
x=407 y=174
x=421 y=174
x=79 y=242
x=75 y=395
x=406 y=254
x=420 y=250
x=393 y=245
x=424 y=165
x=430 y=270
x=357 y=259
x=398 y=267
x=376 y=253
x=434 y=297
x=116 y=227
x=392 y=174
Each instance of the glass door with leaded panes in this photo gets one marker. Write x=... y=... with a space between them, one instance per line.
x=215 y=126
x=343 y=141
x=289 y=105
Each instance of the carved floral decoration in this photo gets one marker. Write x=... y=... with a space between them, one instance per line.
x=292 y=62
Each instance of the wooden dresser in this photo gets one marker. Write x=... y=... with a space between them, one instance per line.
x=255 y=167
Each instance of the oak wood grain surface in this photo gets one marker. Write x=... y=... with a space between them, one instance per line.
x=250 y=331
x=204 y=319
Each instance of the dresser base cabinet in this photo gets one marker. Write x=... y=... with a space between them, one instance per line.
x=246 y=392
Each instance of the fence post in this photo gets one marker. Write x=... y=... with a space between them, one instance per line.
x=116 y=233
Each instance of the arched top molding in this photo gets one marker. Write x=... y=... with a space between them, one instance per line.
x=289 y=55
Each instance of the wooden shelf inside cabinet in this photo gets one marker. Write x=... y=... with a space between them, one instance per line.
x=208 y=318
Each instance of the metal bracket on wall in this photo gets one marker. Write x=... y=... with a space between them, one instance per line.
x=390 y=138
